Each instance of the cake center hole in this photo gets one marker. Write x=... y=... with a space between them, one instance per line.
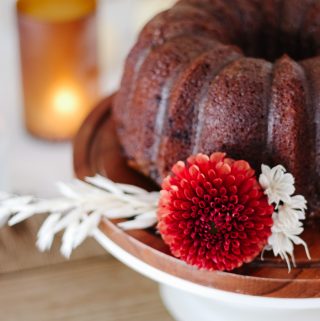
x=273 y=44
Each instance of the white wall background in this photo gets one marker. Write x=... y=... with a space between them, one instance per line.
x=28 y=165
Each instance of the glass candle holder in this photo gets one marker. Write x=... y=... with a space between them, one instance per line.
x=58 y=49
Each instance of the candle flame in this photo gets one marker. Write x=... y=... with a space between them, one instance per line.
x=66 y=101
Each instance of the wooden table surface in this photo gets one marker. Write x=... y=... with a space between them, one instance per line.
x=91 y=286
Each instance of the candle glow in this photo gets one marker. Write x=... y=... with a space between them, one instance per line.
x=66 y=102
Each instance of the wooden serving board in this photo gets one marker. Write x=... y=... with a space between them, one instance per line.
x=97 y=150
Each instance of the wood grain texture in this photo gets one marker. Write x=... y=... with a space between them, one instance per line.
x=97 y=150
x=93 y=289
x=18 y=249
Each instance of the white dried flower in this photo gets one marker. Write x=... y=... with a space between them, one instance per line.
x=81 y=209
x=289 y=212
x=277 y=184
x=285 y=233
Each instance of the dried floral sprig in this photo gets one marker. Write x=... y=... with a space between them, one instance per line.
x=83 y=204
x=81 y=209
x=288 y=215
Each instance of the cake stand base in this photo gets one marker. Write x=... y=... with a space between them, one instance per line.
x=184 y=306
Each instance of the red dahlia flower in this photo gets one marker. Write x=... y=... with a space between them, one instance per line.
x=213 y=213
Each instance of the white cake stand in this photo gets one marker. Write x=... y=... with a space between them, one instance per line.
x=188 y=301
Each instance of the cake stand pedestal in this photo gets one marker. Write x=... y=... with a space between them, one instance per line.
x=261 y=290
x=185 y=306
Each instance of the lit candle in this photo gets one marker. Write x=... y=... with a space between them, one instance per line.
x=66 y=102
x=59 y=64
x=66 y=107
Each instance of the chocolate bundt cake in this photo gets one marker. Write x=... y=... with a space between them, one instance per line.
x=239 y=76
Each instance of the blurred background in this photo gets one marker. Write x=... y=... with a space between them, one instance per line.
x=92 y=286
x=118 y=23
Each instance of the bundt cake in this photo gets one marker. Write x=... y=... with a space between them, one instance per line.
x=238 y=76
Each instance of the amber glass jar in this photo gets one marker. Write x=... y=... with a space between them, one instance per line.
x=58 y=46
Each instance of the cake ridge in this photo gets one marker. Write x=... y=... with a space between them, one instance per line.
x=158 y=66
x=234 y=111
x=289 y=137
x=163 y=163
x=128 y=96
x=165 y=96
x=202 y=103
x=311 y=166
x=270 y=114
x=163 y=106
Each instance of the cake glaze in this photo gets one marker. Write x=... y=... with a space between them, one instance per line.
x=238 y=76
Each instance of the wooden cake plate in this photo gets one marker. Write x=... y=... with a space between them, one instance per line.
x=97 y=150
